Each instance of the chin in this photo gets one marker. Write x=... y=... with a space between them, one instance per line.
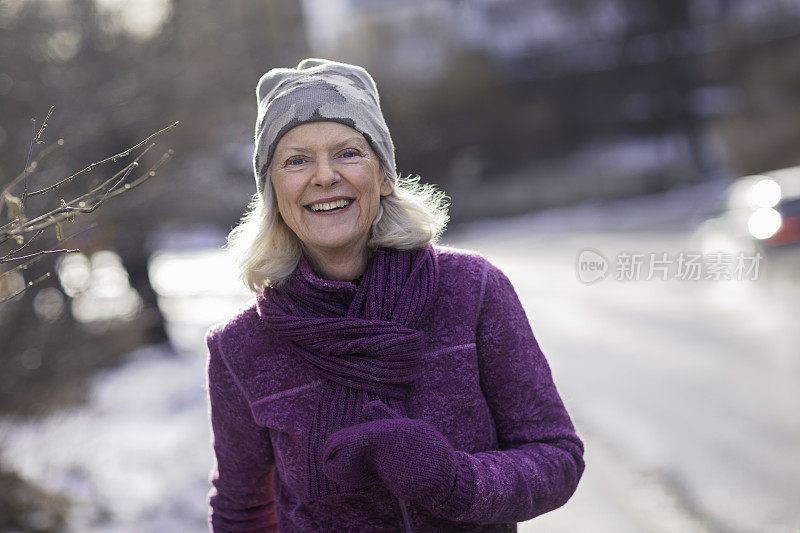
x=334 y=244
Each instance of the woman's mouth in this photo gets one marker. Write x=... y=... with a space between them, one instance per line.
x=324 y=208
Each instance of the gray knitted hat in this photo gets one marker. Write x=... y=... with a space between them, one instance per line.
x=317 y=90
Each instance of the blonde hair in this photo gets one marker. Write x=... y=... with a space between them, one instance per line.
x=267 y=251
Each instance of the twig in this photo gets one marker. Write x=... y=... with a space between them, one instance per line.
x=43 y=252
x=26 y=287
x=112 y=158
x=36 y=259
x=28 y=171
x=28 y=161
x=23 y=266
x=12 y=296
x=150 y=173
x=36 y=138
x=119 y=183
x=66 y=210
x=12 y=252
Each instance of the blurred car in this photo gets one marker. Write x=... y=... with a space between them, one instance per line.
x=760 y=213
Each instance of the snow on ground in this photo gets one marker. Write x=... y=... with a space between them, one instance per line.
x=136 y=457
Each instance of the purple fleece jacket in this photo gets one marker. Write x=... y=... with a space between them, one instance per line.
x=483 y=382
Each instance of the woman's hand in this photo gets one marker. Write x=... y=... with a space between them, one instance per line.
x=411 y=457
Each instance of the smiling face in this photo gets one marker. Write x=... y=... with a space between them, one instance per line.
x=328 y=182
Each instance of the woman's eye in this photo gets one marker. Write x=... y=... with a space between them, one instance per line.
x=351 y=153
x=295 y=161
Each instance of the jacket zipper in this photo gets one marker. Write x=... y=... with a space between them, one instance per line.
x=406 y=520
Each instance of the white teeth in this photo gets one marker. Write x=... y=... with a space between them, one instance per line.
x=326 y=206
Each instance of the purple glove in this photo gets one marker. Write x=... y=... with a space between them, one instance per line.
x=411 y=457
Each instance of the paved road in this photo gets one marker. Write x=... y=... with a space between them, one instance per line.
x=685 y=392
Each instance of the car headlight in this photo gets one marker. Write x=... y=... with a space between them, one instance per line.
x=765 y=193
x=764 y=223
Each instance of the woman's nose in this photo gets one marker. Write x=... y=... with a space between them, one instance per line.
x=326 y=174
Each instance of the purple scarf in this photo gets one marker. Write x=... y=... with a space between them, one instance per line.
x=367 y=349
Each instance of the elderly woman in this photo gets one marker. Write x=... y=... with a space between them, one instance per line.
x=380 y=382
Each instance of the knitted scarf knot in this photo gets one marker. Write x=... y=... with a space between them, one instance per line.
x=366 y=348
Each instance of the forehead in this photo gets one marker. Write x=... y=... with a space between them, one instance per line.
x=320 y=134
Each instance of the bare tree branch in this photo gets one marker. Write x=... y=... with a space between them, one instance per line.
x=23 y=266
x=12 y=252
x=36 y=138
x=43 y=252
x=26 y=287
x=28 y=170
x=19 y=225
x=87 y=202
x=33 y=260
x=112 y=158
